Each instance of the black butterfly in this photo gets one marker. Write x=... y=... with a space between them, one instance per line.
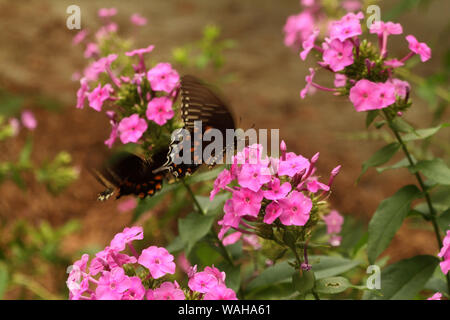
x=132 y=174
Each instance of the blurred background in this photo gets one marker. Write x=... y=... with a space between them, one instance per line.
x=48 y=209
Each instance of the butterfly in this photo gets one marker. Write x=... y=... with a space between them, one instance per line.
x=134 y=175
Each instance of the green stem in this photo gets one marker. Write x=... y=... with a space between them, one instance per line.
x=224 y=250
x=316 y=296
x=432 y=215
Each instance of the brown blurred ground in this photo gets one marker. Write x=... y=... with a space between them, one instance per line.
x=37 y=57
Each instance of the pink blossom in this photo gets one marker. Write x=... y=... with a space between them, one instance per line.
x=419 y=48
x=251 y=241
x=386 y=94
x=222 y=180
x=99 y=95
x=131 y=128
x=79 y=37
x=160 y=110
x=111 y=285
x=273 y=211
x=202 y=282
x=104 y=31
x=364 y=95
x=231 y=238
x=14 y=124
x=128 y=235
x=334 y=222
x=385 y=28
x=309 y=80
x=82 y=93
x=247 y=202
x=351 y=5
x=348 y=27
x=338 y=54
x=277 y=190
x=166 y=291
x=393 y=63
x=113 y=135
x=335 y=240
x=158 y=260
x=135 y=289
x=138 y=20
x=293 y=165
x=163 y=78
x=401 y=87
x=140 y=52
x=445 y=254
x=313 y=185
x=296 y=208
x=340 y=80
x=109 y=258
x=219 y=275
x=298 y=28
x=220 y=292
x=232 y=217
x=127 y=205
x=107 y=12
x=28 y=120
x=101 y=65
x=308 y=44
x=91 y=50
x=436 y=296
x=183 y=262
x=253 y=176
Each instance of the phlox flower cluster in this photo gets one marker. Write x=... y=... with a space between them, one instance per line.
x=139 y=98
x=365 y=74
x=445 y=254
x=115 y=275
x=300 y=27
x=269 y=190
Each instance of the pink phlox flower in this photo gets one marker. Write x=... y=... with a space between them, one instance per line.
x=158 y=260
x=91 y=50
x=385 y=28
x=436 y=296
x=163 y=78
x=222 y=180
x=308 y=44
x=277 y=190
x=28 y=120
x=132 y=128
x=351 y=5
x=219 y=275
x=247 y=202
x=232 y=217
x=313 y=185
x=293 y=165
x=128 y=235
x=14 y=124
x=386 y=94
x=77 y=281
x=138 y=20
x=334 y=222
x=251 y=241
x=419 y=48
x=401 y=87
x=166 y=291
x=127 y=205
x=183 y=262
x=364 y=95
x=220 y=292
x=99 y=95
x=79 y=37
x=340 y=80
x=348 y=27
x=82 y=93
x=298 y=28
x=335 y=240
x=445 y=254
x=338 y=54
x=160 y=110
x=309 y=80
x=99 y=66
x=296 y=208
x=393 y=63
x=273 y=211
x=231 y=238
x=111 y=285
x=253 y=176
x=107 y=12
x=106 y=30
x=135 y=289
x=202 y=282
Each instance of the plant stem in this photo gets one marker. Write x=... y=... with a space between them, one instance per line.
x=432 y=215
x=224 y=250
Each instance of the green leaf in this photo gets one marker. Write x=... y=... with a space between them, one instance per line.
x=401 y=164
x=436 y=285
x=204 y=176
x=329 y=266
x=332 y=285
x=24 y=157
x=387 y=220
x=210 y=207
x=401 y=125
x=371 y=115
x=443 y=220
x=10 y=103
x=423 y=133
x=4 y=279
x=278 y=273
x=435 y=170
x=233 y=279
x=380 y=157
x=193 y=228
x=404 y=279
x=303 y=281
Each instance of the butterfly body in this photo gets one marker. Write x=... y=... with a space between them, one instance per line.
x=134 y=175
